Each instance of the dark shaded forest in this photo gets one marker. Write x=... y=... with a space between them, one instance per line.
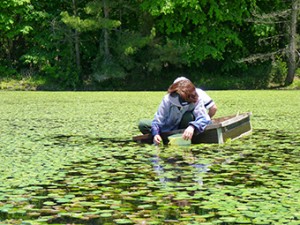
x=145 y=44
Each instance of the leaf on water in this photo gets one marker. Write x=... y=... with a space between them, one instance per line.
x=49 y=203
x=105 y=215
x=123 y=221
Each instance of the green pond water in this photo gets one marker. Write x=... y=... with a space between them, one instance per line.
x=68 y=158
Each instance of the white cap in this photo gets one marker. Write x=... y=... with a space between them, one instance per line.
x=179 y=79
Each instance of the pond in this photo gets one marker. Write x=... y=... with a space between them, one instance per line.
x=68 y=158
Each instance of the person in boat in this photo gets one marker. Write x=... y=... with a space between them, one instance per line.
x=209 y=104
x=181 y=108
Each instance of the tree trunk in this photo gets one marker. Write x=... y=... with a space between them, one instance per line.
x=292 y=48
x=77 y=42
x=106 y=34
x=77 y=50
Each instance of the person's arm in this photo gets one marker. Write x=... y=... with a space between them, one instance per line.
x=202 y=117
x=157 y=139
x=188 y=132
x=209 y=104
x=212 y=110
x=158 y=121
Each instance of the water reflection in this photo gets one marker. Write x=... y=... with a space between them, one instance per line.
x=175 y=169
x=201 y=169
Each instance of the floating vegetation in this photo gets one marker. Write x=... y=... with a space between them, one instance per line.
x=68 y=158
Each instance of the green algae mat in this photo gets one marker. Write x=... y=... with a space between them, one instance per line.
x=69 y=158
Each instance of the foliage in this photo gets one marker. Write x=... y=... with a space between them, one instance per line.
x=279 y=71
x=208 y=27
x=276 y=32
x=294 y=86
x=81 y=44
x=14 y=30
x=10 y=24
x=88 y=24
x=23 y=84
x=68 y=158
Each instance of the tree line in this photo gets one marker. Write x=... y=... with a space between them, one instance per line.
x=144 y=44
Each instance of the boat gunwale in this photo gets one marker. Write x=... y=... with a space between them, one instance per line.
x=218 y=123
x=227 y=120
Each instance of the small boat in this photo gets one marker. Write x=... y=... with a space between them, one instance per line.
x=219 y=131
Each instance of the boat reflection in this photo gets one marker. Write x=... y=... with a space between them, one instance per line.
x=185 y=168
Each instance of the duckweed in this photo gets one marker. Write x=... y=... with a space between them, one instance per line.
x=68 y=158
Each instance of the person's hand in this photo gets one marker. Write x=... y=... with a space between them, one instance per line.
x=157 y=139
x=188 y=133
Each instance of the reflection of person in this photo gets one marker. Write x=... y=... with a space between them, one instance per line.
x=209 y=104
x=173 y=169
x=181 y=108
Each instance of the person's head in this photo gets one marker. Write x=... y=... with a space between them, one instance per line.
x=185 y=88
x=179 y=79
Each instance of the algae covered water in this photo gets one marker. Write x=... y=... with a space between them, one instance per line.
x=68 y=158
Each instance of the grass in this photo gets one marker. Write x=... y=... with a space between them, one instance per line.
x=68 y=158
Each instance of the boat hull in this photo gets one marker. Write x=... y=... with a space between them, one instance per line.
x=221 y=130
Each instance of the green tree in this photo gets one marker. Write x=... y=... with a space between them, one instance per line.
x=122 y=38
x=276 y=31
x=78 y=42
x=209 y=28
x=56 y=51
x=15 y=25
x=96 y=21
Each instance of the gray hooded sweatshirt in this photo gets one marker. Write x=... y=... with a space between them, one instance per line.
x=171 y=110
